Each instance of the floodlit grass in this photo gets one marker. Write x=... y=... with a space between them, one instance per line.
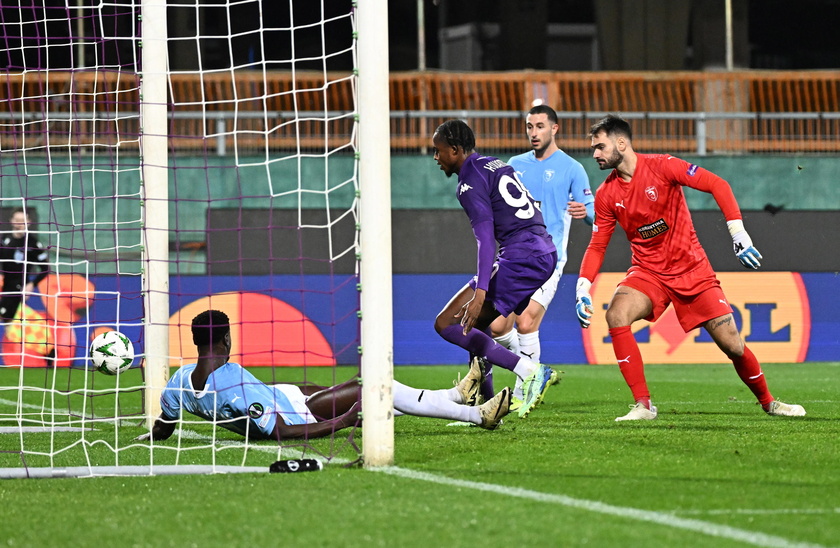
x=713 y=470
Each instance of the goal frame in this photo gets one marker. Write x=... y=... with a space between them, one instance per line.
x=377 y=346
x=374 y=207
x=155 y=173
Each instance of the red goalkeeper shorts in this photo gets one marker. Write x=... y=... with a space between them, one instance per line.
x=697 y=296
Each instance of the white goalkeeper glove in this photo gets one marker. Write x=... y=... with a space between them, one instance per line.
x=743 y=246
x=583 y=304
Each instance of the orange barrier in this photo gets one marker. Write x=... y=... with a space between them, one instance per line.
x=747 y=112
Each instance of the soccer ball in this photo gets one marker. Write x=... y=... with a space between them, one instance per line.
x=111 y=353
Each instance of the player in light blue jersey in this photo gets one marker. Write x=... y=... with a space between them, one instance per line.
x=227 y=394
x=561 y=188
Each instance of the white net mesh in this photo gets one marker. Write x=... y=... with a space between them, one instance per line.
x=262 y=217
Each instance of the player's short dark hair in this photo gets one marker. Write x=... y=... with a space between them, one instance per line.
x=544 y=109
x=611 y=124
x=457 y=133
x=210 y=327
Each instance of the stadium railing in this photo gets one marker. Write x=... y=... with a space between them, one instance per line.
x=701 y=113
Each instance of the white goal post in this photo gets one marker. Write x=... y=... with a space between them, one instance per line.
x=375 y=236
x=155 y=168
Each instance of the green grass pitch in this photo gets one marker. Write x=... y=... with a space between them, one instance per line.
x=713 y=470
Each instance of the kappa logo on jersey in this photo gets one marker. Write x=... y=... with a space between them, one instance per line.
x=464 y=187
x=653 y=229
x=650 y=192
x=692 y=169
x=548 y=175
x=255 y=410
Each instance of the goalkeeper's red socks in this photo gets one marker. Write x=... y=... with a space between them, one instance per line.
x=630 y=363
x=750 y=372
x=632 y=367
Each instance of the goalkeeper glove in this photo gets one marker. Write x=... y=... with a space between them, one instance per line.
x=583 y=306
x=742 y=245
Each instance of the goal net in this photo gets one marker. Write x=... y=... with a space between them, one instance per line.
x=176 y=157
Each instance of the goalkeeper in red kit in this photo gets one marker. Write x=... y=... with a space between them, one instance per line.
x=644 y=194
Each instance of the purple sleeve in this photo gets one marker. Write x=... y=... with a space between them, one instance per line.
x=486 y=252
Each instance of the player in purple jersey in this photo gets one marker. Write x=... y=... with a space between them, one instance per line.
x=500 y=210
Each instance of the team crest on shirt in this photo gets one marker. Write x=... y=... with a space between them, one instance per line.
x=548 y=175
x=255 y=410
x=650 y=192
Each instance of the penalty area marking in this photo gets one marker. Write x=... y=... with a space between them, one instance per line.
x=661 y=518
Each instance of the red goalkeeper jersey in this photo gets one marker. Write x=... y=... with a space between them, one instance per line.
x=652 y=210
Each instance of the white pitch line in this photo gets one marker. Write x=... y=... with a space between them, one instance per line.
x=758 y=511
x=41 y=429
x=661 y=518
x=45 y=410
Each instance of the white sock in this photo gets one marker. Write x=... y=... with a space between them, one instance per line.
x=510 y=340
x=453 y=394
x=431 y=403
x=529 y=346
x=524 y=367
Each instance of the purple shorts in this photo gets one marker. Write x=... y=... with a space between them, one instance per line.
x=514 y=281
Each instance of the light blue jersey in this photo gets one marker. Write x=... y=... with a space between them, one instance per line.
x=553 y=182
x=234 y=397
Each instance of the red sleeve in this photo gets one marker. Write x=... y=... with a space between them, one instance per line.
x=696 y=177
x=602 y=231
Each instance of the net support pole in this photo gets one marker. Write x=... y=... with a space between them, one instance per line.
x=153 y=145
x=377 y=337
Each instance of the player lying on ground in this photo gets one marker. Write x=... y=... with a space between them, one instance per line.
x=226 y=393
x=500 y=210
x=644 y=194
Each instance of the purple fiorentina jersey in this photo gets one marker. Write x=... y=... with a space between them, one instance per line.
x=500 y=207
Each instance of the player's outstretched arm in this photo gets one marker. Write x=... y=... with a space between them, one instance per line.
x=583 y=304
x=742 y=245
